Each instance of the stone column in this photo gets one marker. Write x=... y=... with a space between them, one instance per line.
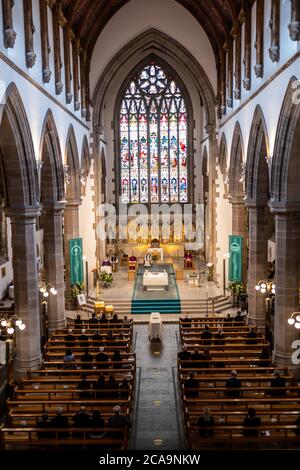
x=71 y=230
x=287 y=283
x=100 y=244
x=239 y=228
x=54 y=264
x=27 y=302
x=211 y=207
x=257 y=269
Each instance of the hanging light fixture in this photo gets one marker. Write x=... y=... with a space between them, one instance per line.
x=265 y=287
x=47 y=288
x=11 y=322
x=295 y=321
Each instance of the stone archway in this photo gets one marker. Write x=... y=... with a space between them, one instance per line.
x=73 y=201
x=85 y=164
x=257 y=197
x=237 y=194
x=285 y=204
x=21 y=194
x=53 y=203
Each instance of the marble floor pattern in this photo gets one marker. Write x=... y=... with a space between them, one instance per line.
x=157 y=421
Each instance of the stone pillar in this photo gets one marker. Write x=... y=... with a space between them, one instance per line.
x=54 y=264
x=27 y=302
x=239 y=227
x=287 y=284
x=257 y=269
x=100 y=244
x=211 y=207
x=71 y=230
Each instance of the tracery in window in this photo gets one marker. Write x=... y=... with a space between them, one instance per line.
x=153 y=130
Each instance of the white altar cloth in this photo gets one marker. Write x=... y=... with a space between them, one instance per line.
x=155 y=279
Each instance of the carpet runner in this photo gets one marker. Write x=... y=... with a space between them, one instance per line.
x=164 y=301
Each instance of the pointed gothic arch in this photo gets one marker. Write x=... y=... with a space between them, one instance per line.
x=73 y=189
x=52 y=172
x=223 y=152
x=236 y=187
x=257 y=171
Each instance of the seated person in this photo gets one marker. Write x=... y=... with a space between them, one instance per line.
x=205 y=423
x=117 y=421
x=186 y=321
x=81 y=420
x=97 y=422
x=188 y=260
x=252 y=335
x=84 y=385
x=83 y=338
x=60 y=421
x=239 y=317
x=219 y=337
x=201 y=358
x=78 y=321
x=117 y=358
x=70 y=339
x=232 y=384
x=132 y=263
x=264 y=357
x=228 y=320
x=112 y=385
x=99 y=386
x=103 y=358
x=184 y=355
x=43 y=423
x=114 y=262
x=87 y=359
x=251 y=423
x=96 y=337
x=93 y=320
x=206 y=335
x=69 y=360
x=106 y=262
x=191 y=382
x=124 y=386
x=279 y=383
x=103 y=320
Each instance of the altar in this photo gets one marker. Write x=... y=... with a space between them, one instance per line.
x=154 y=251
x=155 y=280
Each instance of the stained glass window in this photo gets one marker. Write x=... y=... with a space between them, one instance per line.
x=153 y=139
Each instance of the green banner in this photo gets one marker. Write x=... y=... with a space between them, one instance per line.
x=76 y=263
x=235 y=260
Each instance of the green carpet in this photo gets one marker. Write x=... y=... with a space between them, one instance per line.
x=165 y=301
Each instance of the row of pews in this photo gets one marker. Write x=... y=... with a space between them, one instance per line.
x=211 y=364
x=71 y=387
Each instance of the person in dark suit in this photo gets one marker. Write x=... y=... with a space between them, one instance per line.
x=81 y=420
x=103 y=320
x=239 y=317
x=44 y=423
x=124 y=388
x=186 y=321
x=97 y=422
x=233 y=384
x=83 y=338
x=96 y=337
x=112 y=385
x=228 y=320
x=206 y=423
x=100 y=386
x=251 y=423
x=102 y=357
x=252 y=336
x=206 y=336
x=184 y=355
x=60 y=421
x=84 y=385
x=264 y=357
x=191 y=382
x=278 y=383
x=219 y=339
x=86 y=359
x=117 y=420
x=117 y=358
x=93 y=320
x=78 y=321
x=70 y=339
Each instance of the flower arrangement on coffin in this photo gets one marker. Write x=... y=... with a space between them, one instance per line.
x=105 y=278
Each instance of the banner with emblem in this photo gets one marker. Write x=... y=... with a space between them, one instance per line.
x=76 y=262
x=235 y=260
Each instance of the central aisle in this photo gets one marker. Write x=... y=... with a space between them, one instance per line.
x=157 y=418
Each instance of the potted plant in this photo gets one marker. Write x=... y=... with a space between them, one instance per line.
x=239 y=294
x=105 y=278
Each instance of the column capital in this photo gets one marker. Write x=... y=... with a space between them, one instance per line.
x=251 y=204
x=284 y=208
x=57 y=206
x=237 y=201
x=73 y=203
x=24 y=213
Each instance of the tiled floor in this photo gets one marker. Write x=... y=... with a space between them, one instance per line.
x=157 y=422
